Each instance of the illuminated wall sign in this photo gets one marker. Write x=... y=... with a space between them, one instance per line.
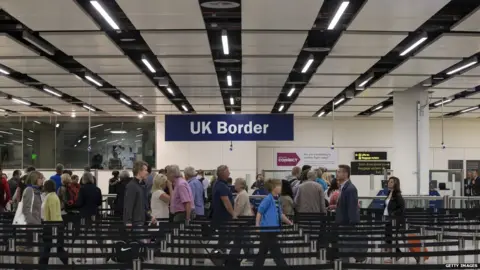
x=370 y=155
x=369 y=167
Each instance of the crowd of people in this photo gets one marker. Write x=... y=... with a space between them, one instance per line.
x=148 y=197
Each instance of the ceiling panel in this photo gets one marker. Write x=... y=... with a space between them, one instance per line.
x=158 y=104
x=320 y=92
x=260 y=92
x=302 y=114
x=127 y=80
x=452 y=45
x=264 y=80
x=257 y=108
x=346 y=65
x=258 y=101
x=205 y=101
x=268 y=64
x=7 y=82
x=48 y=101
x=312 y=101
x=69 y=108
x=469 y=115
x=357 y=109
x=375 y=92
x=104 y=101
x=422 y=66
x=188 y=64
x=112 y=108
x=447 y=109
x=20 y=108
x=200 y=92
x=155 y=100
x=303 y=108
x=278 y=15
x=358 y=101
x=10 y=47
x=82 y=43
x=465 y=102
x=142 y=92
x=399 y=81
x=341 y=114
x=164 y=14
x=394 y=15
x=108 y=64
x=440 y=93
x=25 y=92
x=178 y=43
x=366 y=44
x=273 y=43
x=82 y=92
x=383 y=115
x=473 y=72
x=210 y=108
x=60 y=80
x=470 y=23
x=29 y=66
x=462 y=82
x=196 y=80
x=332 y=80
x=49 y=15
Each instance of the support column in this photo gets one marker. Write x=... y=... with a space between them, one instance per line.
x=411 y=140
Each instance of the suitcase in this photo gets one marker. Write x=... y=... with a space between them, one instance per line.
x=417 y=249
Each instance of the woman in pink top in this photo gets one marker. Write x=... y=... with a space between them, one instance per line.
x=333 y=192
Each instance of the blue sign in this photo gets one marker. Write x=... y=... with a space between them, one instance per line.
x=229 y=127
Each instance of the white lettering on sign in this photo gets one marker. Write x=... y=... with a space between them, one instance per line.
x=224 y=128
x=200 y=127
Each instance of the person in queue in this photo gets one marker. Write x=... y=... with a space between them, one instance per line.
x=89 y=198
x=5 y=195
x=22 y=184
x=63 y=192
x=69 y=172
x=134 y=213
x=286 y=199
x=120 y=199
x=347 y=210
x=476 y=185
x=52 y=213
x=160 y=199
x=328 y=178
x=270 y=215
x=57 y=178
x=310 y=197
x=242 y=204
x=181 y=202
x=112 y=183
x=293 y=177
x=332 y=194
x=32 y=206
x=259 y=181
x=197 y=190
x=13 y=182
x=303 y=177
x=205 y=183
x=320 y=180
x=394 y=210
x=222 y=201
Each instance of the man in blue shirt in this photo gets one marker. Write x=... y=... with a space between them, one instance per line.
x=222 y=197
x=57 y=178
x=197 y=190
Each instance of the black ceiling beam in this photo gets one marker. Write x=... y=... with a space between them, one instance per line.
x=227 y=22
x=432 y=29
x=131 y=43
x=318 y=45
x=462 y=111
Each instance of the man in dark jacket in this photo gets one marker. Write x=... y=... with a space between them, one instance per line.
x=119 y=201
x=13 y=182
x=89 y=197
x=134 y=203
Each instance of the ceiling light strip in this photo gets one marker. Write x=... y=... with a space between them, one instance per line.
x=338 y=15
x=462 y=67
x=105 y=14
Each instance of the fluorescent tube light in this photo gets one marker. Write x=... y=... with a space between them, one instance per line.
x=75 y=145
x=30 y=139
x=88 y=108
x=139 y=128
x=140 y=116
x=148 y=65
x=281 y=108
x=104 y=14
x=6 y=132
x=79 y=141
x=17 y=100
x=9 y=143
x=469 y=64
x=73 y=115
x=101 y=140
x=52 y=92
x=112 y=141
x=91 y=139
x=442 y=102
x=57 y=113
x=321 y=114
x=338 y=101
x=226 y=50
x=118 y=131
x=138 y=140
x=38 y=43
x=377 y=108
x=233 y=112
x=99 y=125
x=93 y=80
x=338 y=15
x=57 y=125
x=470 y=109
x=16 y=129
x=36 y=122
x=29 y=145
x=125 y=101
x=229 y=80
x=170 y=90
x=2 y=110
x=414 y=45
x=108 y=129
x=232 y=101
x=4 y=71
x=291 y=92
x=144 y=113
x=31 y=131
x=139 y=135
x=84 y=136
x=185 y=108
x=307 y=65
x=362 y=84
x=20 y=142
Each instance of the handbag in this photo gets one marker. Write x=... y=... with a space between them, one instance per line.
x=19 y=218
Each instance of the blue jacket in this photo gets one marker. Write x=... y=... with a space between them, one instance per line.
x=322 y=183
x=57 y=178
x=347 y=211
x=271 y=214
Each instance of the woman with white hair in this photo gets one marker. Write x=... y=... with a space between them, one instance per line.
x=242 y=203
x=160 y=199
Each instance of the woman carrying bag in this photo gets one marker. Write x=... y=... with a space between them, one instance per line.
x=394 y=211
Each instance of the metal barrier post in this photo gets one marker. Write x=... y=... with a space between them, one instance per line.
x=176 y=249
x=475 y=246
x=461 y=247
x=54 y=241
x=12 y=247
x=323 y=256
x=82 y=231
x=337 y=265
x=168 y=248
x=150 y=255
x=440 y=248
x=36 y=248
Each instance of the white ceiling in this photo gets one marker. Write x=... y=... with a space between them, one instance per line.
x=272 y=37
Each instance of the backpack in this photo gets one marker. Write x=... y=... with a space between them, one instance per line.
x=72 y=195
x=126 y=253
